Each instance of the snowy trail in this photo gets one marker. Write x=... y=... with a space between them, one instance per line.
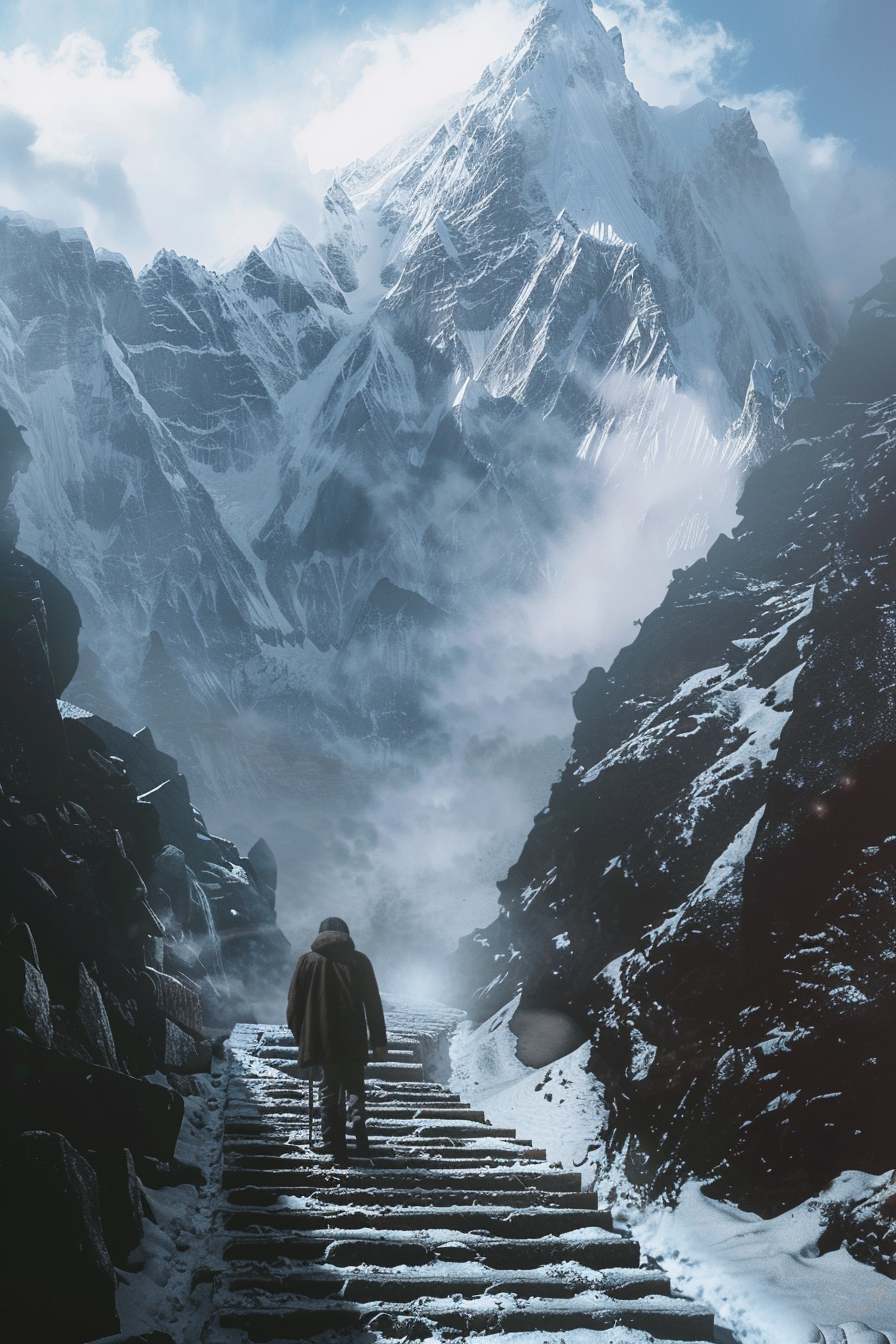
x=767 y=1280
x=456 y=1228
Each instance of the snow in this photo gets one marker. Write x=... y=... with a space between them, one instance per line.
x=157 y=1291
x=765 y=1279
x=552 y=165
x=559 y=1107
x=619 y=1334
x=290 y=253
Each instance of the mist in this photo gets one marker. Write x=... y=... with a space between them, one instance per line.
x=407 y=841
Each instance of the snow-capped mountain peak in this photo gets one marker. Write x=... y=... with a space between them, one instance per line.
x=289 y=253
x=541 y=272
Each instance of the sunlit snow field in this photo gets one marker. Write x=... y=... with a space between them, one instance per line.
x=765 y=1279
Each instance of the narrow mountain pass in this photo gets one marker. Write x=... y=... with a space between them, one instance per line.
x=454 y=1228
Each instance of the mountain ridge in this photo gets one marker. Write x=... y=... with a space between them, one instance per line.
x=469 y=334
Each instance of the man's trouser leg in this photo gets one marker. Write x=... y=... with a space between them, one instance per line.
x=356 y=1104
x=332 y=1110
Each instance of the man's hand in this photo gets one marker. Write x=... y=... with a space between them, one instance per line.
x=381 y=1054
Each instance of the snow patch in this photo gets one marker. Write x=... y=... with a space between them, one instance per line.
x=560 y=1107
x=765 y=1278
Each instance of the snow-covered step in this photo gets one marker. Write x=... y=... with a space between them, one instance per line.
x=457 y=1156
x=399 y=1072
x=455 y=1228
x=395 y=1196
x=600 y=1249
x=406 y=1284
x=383 y=1116
x=425 y=1109
x=465 y=1150
x=672 y=1318
x=259 y=1171
x=499 y=1219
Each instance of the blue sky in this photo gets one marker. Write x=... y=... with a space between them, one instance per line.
x=838 y=54
x=231 y=116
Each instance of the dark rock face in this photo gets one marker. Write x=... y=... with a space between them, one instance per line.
x=865 y=1226
x=711 y=890
x=120 y=923
x=216 y=915
x=58 y=1280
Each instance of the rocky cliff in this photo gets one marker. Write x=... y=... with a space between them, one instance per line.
x=711 y=889
x=128 y=937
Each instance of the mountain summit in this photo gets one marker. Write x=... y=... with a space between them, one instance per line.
x=555 y=145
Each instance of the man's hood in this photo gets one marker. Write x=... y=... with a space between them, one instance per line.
x=338 y=946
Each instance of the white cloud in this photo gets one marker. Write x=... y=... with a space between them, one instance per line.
x=396 y=79
x=203 y=180
x=123 y=148
x=847 y=209
x=668 y=60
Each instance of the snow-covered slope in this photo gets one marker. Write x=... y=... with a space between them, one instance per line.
x=324 y=450
x=710 y=889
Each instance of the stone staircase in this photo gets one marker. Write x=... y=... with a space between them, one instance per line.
x=454 y=1229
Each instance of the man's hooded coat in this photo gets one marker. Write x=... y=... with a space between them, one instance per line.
x=333 y=1003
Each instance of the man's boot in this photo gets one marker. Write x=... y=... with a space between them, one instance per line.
x=332 y=1133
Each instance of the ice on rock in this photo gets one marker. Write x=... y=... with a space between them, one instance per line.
x=345 y=243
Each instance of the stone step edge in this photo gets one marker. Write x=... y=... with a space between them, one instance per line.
x=676 y=1317
x=476 y=1280
x=347 y=1247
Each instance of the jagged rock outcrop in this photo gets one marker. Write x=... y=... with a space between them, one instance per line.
x=711 y=890
x=124 y=929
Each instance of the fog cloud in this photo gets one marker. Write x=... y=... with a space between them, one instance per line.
x=408 y=844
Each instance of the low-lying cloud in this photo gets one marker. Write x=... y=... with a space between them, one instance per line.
x=407 y=844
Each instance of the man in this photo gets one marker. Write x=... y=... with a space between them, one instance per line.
x=333 y=1003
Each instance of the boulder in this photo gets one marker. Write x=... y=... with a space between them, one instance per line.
x=94 y=1107
x=24 y=1000
x=155 y=1175
x=171 y=877
x=59 y=1281
x=262 y=859
x=120 y=1201
x=93 y=1021
x=184 y=1053
x=176 y=1001
x=63 y=620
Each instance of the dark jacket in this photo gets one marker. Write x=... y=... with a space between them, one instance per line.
x=333 y=1003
